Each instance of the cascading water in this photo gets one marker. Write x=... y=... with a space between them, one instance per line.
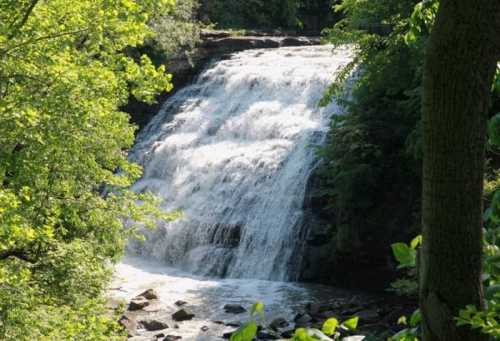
x=233 y=151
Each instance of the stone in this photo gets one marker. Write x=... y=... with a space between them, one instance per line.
x=278 y=323
x=302 y=320
x=204 y=329
x=288 y=334
x=182 y=315
x=234 y=309
x=227 y=335
x=236 y=324
x=149 y=294
x=172 y=338
x=267 y=335
x=129 y=323
x=354 y=338
x=153 y=325
x=153 y=307
x=180 y=303
x=368 y=316
x=138 y=303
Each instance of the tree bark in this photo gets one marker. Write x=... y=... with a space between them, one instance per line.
x=459 y=69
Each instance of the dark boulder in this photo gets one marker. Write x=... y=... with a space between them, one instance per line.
x=138 y=303
x=234 y=309
x=149 y=294
x=182 y=315
x=180 y=303
x=278 y=323
x=153 y=325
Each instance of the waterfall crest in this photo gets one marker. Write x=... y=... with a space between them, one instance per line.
x=234 y=152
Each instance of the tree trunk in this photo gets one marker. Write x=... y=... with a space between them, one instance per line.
x=459 y=69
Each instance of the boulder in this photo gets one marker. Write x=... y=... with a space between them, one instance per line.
x=149 y=294
x=153 y=325
x=129 y=323
x=302 y=320
x=180 y=303
x=235 y=324
x=138 y=303
x=368 y=316
x=234 y=309
x=288 y=334
x=278 y=323
x=172 y=338
x=267 y=335
x=204 y=329
x=182 y=315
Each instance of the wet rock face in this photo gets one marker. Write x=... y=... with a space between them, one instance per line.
x=336 y=252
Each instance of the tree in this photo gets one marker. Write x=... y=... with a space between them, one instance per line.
x=460 y=64
x=64 y=173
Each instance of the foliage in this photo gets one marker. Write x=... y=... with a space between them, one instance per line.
x=255 y=13
x=488 y=320
x=248 y=331
x=372 y=157
x=329 y=331
x=64 y=172
x=412 y=333
x=177 y=31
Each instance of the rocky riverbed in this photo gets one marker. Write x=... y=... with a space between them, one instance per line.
x=162 y=303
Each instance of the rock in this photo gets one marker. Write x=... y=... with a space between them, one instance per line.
x=153 y=307
x=180 y=303
x=138 y=303
x=295 y=41
x=160 y=335
x=368 y=316
x=176 y=326
x=182 y=315
x=218 y=322
x=172 y=338
x=153 y=325
x=235 y=324
x=288 y=334
x=227 y=335
x=278 y=323
x=204 y=329
x=149 y=294
x=267 y=335
x=129 y=323
x=354 y=338
x=313 y=308
x=234 y=309
x=302 y=320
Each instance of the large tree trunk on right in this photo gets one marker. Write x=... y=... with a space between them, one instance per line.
x=459 y=68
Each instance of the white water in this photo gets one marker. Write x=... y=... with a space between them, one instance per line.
x=206 y=298
x=233 y=151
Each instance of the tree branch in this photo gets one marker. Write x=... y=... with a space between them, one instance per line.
x=23 y=20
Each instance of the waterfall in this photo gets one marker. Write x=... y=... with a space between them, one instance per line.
x=233 y=151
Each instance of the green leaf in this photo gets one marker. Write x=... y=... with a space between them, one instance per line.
x=415 y=319
x=246 y=332
x=492 y=291
x=405 y=255
x=257 y=308
x=416 y=242
x=330 y=326
x=351 y=323
x=402 y=320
